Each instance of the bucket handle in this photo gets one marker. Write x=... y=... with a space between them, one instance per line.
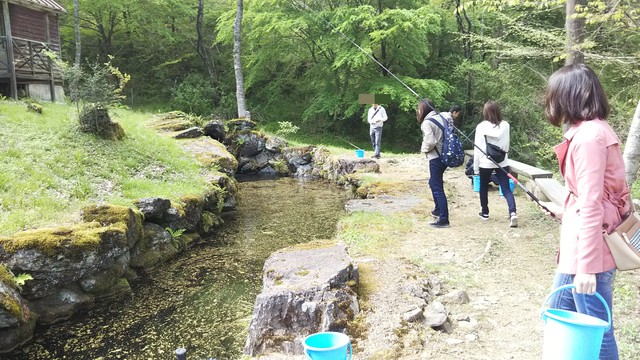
x=571 y=286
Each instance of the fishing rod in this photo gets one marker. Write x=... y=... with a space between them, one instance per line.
x=357 y=147
x=509 y=175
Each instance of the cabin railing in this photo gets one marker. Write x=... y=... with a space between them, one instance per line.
x=30 y=57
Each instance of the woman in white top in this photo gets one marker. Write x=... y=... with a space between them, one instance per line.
x=495 y=131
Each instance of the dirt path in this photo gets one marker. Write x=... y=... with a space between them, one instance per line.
x=505 y=271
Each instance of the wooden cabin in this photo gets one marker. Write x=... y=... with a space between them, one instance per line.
x=29 y=29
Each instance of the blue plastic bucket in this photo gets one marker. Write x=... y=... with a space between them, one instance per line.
x=360 y=153
x=570 y=335
x=327 y=346
x=476 y=183
x=512 y=185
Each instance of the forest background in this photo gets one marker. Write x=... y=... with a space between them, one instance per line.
x=299 y=68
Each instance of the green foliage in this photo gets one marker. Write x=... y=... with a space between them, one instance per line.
x=51 y=170
x=15 y=281
x=21 y=279
x=286 y=127
x=175 y=233
x=301 y=70
x=100 y=86
x=194 y=95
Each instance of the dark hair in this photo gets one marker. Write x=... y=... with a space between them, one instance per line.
x=424 y=107
x=491 y=112
x=573 y=94
x=455 y=108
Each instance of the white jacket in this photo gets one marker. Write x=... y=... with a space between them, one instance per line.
x=496 y=134
x=376 y=121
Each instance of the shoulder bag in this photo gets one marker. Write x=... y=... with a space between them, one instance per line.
x=624 y=241
x=494 y=151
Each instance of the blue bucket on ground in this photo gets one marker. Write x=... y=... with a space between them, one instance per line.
x=327 y=346
x=570 y=335
x=512 y=186
x=476 y=183
x=360 y=153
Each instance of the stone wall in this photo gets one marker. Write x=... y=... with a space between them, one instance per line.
x=73 y=266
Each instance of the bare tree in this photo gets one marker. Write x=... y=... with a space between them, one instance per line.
x=575 y=32
x=237 y=63
x=632 y=148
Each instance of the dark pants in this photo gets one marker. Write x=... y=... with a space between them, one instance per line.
x=436 y=183
x=503 y=180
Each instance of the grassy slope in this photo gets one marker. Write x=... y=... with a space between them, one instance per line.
x=50 y=169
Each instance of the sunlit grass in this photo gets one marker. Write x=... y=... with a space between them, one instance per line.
x=368 y=233
x=50 y=169
x=626 y=302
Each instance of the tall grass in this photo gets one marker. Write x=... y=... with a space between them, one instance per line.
x=50 y=169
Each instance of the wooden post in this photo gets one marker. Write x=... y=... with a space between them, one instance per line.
x=52 y=83
x=10 y=59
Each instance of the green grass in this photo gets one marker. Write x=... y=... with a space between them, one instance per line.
x=627 y=305
x=50 y=169
x=368 y=232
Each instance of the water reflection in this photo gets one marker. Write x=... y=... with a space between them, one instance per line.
x=203 y=300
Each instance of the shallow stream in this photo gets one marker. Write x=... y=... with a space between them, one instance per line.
x=203 y=300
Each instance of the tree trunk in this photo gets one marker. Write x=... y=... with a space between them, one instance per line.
x=574 y=27
x=383 y=47
x=632 y=148
x=237 y=63
x=76 y=25
x=203 y=50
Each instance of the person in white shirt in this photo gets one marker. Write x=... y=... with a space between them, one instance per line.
x=495 y=131
x=376 y=118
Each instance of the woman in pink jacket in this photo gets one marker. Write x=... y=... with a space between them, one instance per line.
x=591 y=164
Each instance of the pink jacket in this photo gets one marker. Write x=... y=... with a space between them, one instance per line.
x=594 y=174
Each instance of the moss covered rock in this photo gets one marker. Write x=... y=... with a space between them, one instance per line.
x=55 y=256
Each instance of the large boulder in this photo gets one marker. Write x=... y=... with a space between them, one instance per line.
x=156 y=246
x=16 y=320
x=215 y=130
x=211 y=154
x=306 y=289
x=58 y=256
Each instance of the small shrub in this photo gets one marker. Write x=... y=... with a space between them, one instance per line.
x=194 y=96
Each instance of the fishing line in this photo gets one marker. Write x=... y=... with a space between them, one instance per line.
x=315 y=14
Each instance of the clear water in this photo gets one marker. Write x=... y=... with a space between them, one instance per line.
x=203 y=300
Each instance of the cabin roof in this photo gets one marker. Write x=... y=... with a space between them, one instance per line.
x=42 y=5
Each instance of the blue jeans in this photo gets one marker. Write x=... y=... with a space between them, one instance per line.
x=436 y=183
x=590 y=305
x=376 y=139
x=503 y=180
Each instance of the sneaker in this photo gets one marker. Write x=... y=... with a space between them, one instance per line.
x=513 y=220
x=435 y=214
x=440 y=223
x=376 y=156
x=483 y=216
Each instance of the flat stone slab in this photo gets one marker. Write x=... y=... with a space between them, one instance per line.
x=307 y=288
x=384 y=204
x=315 y=268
